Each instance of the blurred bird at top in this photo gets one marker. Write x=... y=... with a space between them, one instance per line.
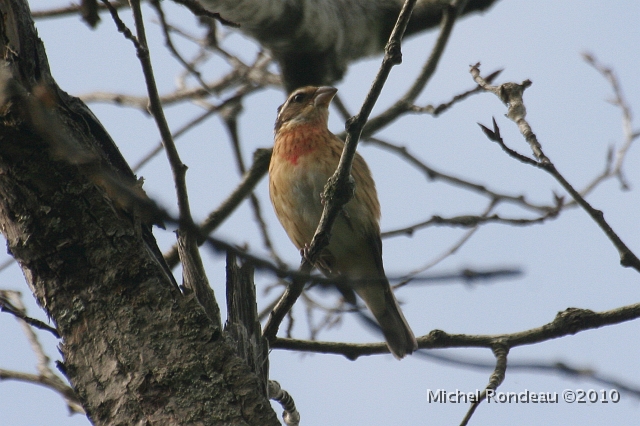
x=304 y=156
x=314 y=41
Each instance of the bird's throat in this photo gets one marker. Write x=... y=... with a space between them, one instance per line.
x=294 y=143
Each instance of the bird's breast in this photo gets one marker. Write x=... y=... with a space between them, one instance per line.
x=298 y=173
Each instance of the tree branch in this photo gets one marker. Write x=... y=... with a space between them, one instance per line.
x=250 y=180
x=45 y=377
x=568 y=322
x=627 y=124
x=497 y=377
x=511 y=95
x=433 y=174
x=404 y=104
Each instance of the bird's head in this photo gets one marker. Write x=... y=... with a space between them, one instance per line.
x=307 y=105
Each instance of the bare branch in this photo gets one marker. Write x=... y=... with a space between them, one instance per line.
x=19 y=313
x=568 y=322
x=437 y=110
x=404 y=104
x=257 y=69
x=249 y=181
x=194 y=275
x=169 y=44
x=627 y=121
x=449 y=252
x=182 y=130
x=433 y=174
x=197 y=9
x=230 y=118
x=497 y=377
x=45 y=377
x=511 y=95
x=467 y=221
x=4 y=265
x=120 y=25
x=561 y=368
x=73 y=403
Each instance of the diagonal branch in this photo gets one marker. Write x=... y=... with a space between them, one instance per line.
x=229 y=116
x=194 y=275
x=168 y=42
x=249 y=181
x=511 y=95
x=20 y=314
x=443 y=107
x=73 y=9
x=405 y=103
x=434 y=174
x=497 y=377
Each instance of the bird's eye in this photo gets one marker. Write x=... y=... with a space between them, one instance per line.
x=298 y=98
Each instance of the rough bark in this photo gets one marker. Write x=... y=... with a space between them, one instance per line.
x=135 y=350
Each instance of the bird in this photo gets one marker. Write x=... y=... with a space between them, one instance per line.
x=305 y=155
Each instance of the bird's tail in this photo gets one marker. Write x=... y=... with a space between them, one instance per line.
x=383 y=305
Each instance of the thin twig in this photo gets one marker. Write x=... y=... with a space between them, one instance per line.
x=443 y=107
x=433 y=174
x=169 y=44
x=182 y=130
x=249 y=181
x=73 y=403
x=629 y=135
x=45 y=376
x=155 y=107
x=449 y=252
x=120 y=25
x=198 y=10
x=404 y=104
x=500 y=351
x=561 y=368
x=466 y=221
x=4 y=265
x=188 y=126
x=180 y=95
x=511 y=95
x=7 y=306
x=230 y=118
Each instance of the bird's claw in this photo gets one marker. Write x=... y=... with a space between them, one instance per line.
x=304 y=252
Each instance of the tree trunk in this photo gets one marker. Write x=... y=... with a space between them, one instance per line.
x=135 y=349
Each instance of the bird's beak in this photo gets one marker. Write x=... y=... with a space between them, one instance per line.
x=323 y=96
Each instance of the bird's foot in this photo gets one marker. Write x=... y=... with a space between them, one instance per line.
x=304 y=252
